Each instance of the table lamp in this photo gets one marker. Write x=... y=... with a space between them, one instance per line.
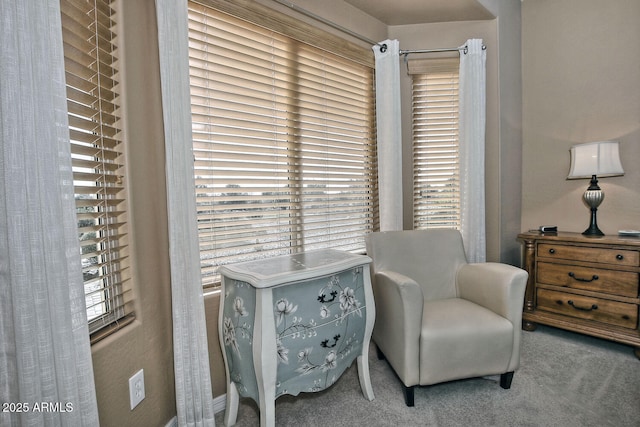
x=594 y=160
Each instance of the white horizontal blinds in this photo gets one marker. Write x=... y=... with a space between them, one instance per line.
x=334 y=150
x=97 y=156
x=282 y=140
x=436 y=170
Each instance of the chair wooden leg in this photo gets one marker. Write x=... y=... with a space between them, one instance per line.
x=408 y=391
x=505 y=380
x=408 y=395
x=379 y=353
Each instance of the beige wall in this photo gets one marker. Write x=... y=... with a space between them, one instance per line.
x=147 y=343
x=504 y=211
x=581 y=83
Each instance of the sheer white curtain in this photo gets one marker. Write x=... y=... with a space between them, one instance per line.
x=472 y=93
x=194 y=398
x=389 y=138
x=45 y=355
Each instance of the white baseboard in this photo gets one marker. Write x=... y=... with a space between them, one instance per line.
x=219 y=404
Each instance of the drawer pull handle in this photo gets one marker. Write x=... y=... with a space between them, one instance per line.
x=323 y=298
x=581 y=279
x=593 y=306
x=552 y=251
x=326 y=344
x=619 y=257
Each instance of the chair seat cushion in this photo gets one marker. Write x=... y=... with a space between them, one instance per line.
x=460 y=339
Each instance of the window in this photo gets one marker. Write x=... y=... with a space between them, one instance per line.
x=283 y=140
x=436 y=172
x=91 y=67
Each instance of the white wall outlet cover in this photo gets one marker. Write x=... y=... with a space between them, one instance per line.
x=136 y=388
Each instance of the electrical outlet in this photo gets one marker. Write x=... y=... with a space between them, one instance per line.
x=136 y=388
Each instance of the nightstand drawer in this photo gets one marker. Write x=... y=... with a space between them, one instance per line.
x=589 y=254
x=305 y=361
x=623 y=283
x=589 y=308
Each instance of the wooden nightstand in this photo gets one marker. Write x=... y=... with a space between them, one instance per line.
x=583 y=284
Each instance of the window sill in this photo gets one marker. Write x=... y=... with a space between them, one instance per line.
x=112 y=328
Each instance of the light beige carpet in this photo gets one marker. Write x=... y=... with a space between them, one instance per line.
x=565 y=379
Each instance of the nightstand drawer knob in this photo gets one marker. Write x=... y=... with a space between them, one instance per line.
x=593 y=306
x=619 y=257
x=552 y=251
x=581 y=279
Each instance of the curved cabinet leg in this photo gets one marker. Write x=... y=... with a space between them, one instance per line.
x=268 y=412
x=637 y=352
x=231 y=409
x=365 y=379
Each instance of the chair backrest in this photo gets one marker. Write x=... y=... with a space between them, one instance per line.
x=430 y=257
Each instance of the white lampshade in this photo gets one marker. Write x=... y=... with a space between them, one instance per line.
x=595 y=158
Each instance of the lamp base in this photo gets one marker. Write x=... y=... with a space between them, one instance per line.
x=593 y=197
x=593 y=229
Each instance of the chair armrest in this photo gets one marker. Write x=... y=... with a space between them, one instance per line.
x=498 y=287
x=399 y=303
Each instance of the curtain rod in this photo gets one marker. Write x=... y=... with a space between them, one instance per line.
x=447 y=49
x=329 y=23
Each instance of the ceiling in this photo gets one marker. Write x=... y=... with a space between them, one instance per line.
x=402 y=12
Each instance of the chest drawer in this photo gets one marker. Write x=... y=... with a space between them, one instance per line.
x=329 y=347
x=589 y=254
x=317 y=301
x=623 y=283
x=588 y=308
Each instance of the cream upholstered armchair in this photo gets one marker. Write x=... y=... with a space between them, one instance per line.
x=439 y=318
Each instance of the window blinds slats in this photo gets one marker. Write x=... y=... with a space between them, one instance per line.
x=90 y=126
x=264 y=92
x=283 y=202
x=96 y=164
x=78 y=14
x=93 y=151
x=78 y=137
x=436 y=186
x=96 y=149
x=103 y=265
x=264 y=17
x=227 y=123
x=278 y=60
x=344 y=139
x=283 y=143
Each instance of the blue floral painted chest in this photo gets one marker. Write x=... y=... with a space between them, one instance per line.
x=294 y=324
